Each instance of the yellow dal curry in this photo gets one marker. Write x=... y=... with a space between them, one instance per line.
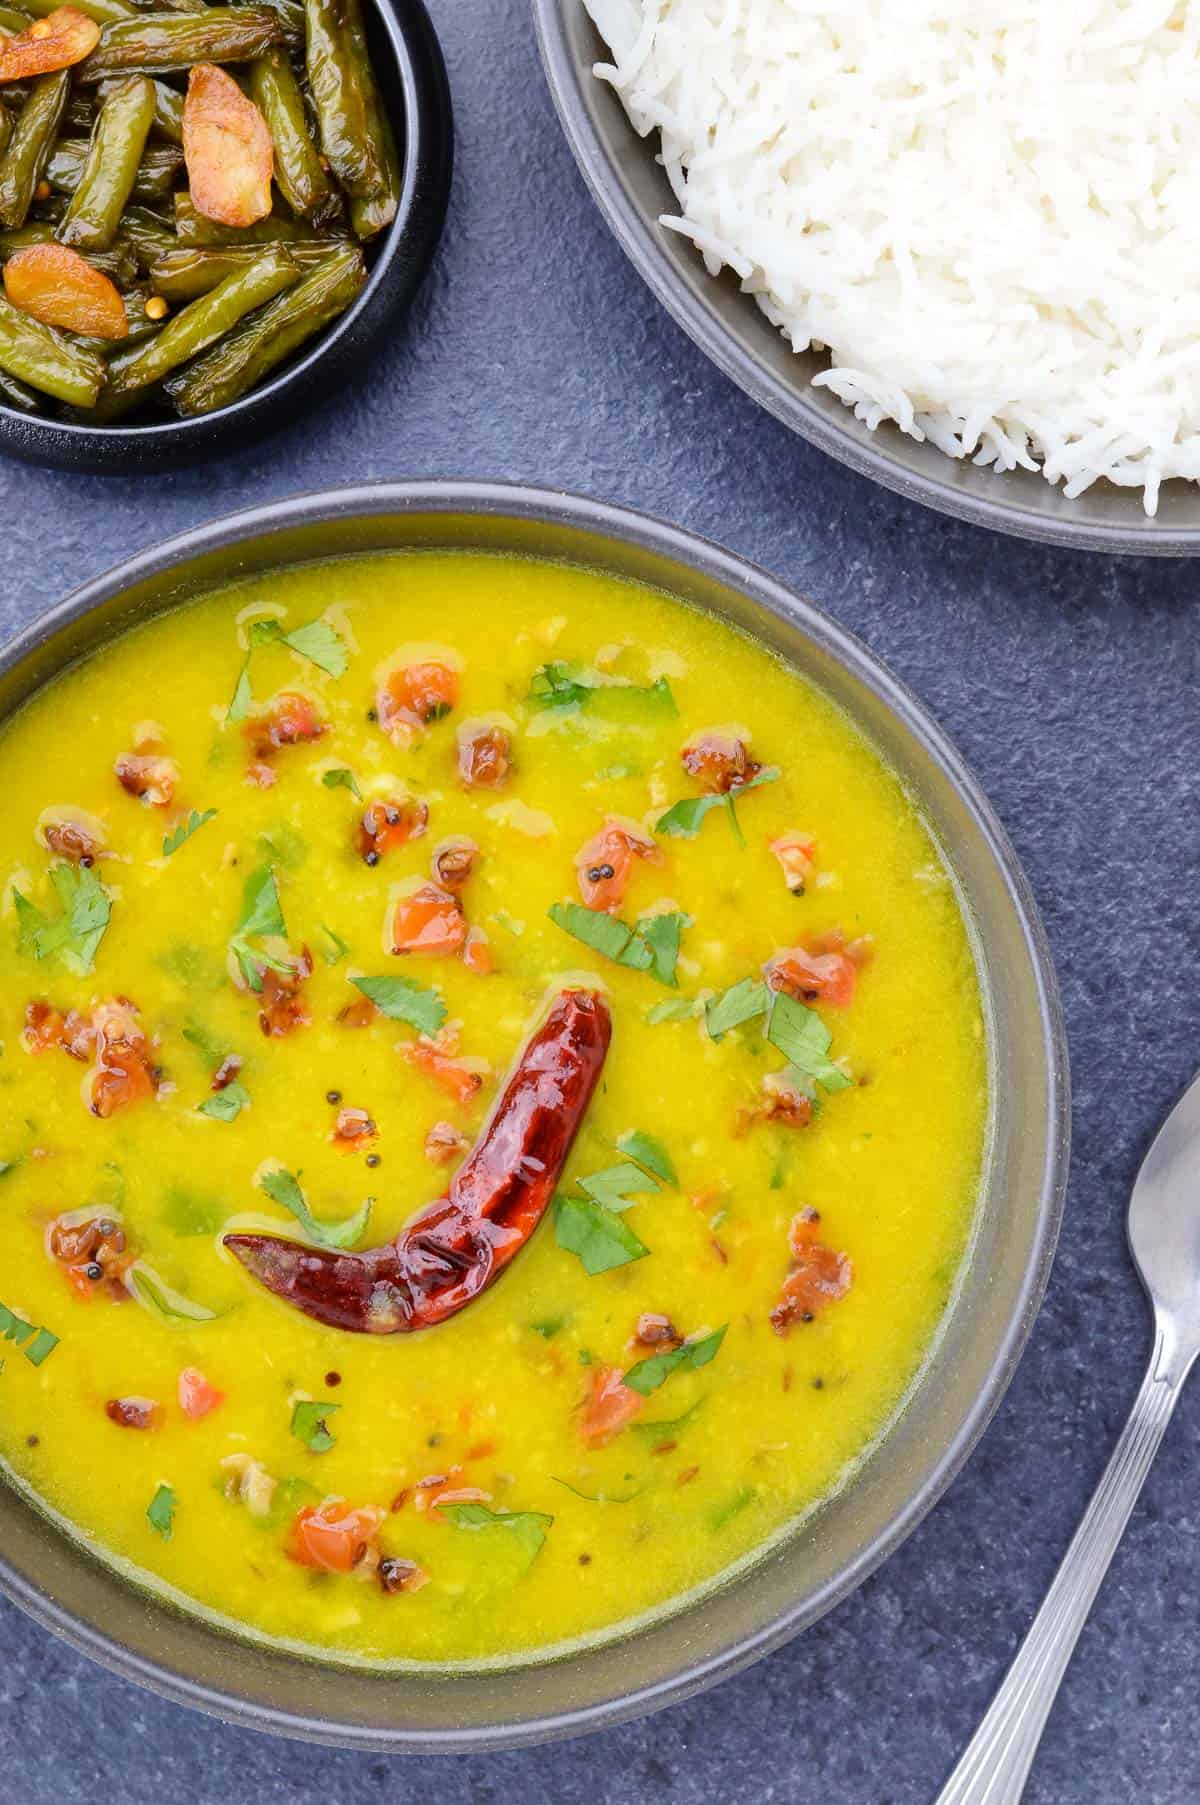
x=555 y=786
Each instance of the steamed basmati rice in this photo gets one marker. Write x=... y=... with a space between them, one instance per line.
x=988 y=211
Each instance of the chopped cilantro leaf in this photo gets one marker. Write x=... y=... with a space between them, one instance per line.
x=724 y=1513
x=804 y=1040
x=560 y=685
x=172 y=842
x=242 y=700
x=616 y=1186
x=599 y=1497
x=741 y=1003
x=34 y=1343
x=338 y=948
x=649 y=1374
x=43 y=1343
x=162 y=1300
x=225 y=1105
x=77 y=932
x=683 y=819
x=261 y=912
x=652 y=945
x=283 y=1189
x=405 y=1001
x=160 y=1513
x=600 y=1237
x=321 y=644
x=341 y=778
x=649 y=1154
x=309 y=1425
x=548 y=1327
x=675 y=1009
x=665 y=1426
x=527 y=1527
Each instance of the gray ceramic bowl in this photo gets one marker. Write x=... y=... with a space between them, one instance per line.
x=72 y=1592
x=633 y=191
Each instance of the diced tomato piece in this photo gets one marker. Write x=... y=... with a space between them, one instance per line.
x=428 y=920
x=806 y=976
x=334 y=1536
x=358 y=1014
x=461 y=1078
x=70 y=834
x=605 y=865
x=124 y=1072
x=719 y=761
x=451 y=1494
x=444 y=1143
x=396 y=1575
x=477 y=954
x=388 y=824
x=226 y=1072
x=656 y=1330
x=782 y=1102
x=611 y=1405
x=796 y=853
x=454 y=861
x=133 y=1413
x=819 y=1275
x=91 y=1250
x=283 y=1005
x=484 y=755
x=47 y=1027
x=197 y=1397
x=413 y=695
x=354 y=1131
x=291 y=720
x=149 y=777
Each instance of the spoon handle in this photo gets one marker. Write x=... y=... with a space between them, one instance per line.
x=996 y=1762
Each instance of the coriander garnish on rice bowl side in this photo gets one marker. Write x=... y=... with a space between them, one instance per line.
x=983 y=209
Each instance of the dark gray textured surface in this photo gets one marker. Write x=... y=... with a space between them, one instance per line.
x=1071 y=683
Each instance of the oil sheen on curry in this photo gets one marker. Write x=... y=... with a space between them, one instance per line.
x=495 y=1087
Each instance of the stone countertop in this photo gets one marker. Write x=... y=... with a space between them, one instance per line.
x=1071 y=684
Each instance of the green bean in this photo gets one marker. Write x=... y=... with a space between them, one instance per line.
x=43 y=358
x=153 y=180
x=200 y=325
x=157 y=42
x=112 y=168
x=6 y=129
x=22 y=163
x=244 y=357
x=17 y=395
x=104 y=12
x=79 y=114
x=190 y=270
x=339 y=98
x=192 y=228
x=168 y=109
x=12 y=22
x=299 y=172
x=290 y=14
x=149 y=233
x=371 y=212
x=119 y=262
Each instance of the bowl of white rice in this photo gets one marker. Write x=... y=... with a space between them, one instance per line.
x=953 y=243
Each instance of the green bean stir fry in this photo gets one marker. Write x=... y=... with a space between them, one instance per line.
x=185 y=191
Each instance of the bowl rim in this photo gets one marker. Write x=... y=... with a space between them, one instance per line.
x=643 y=243
x=690 y=552
x=426 y=155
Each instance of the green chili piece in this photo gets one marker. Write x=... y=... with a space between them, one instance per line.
x=299 y=172
x=192 y=228
x=334 y=79
x=247 y=355
x=104 y=12
x=371 y=212
x=153 y=176
x=148 y=232
x=154 y=43
x=46 y=360
x=201 y=324
x=111 y=167
x=182 y=273
x=18 y=394
x=22 y=163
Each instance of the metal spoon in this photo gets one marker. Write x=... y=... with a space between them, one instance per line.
x=1164 y=1237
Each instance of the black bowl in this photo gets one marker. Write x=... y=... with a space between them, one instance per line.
x=408 y=66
